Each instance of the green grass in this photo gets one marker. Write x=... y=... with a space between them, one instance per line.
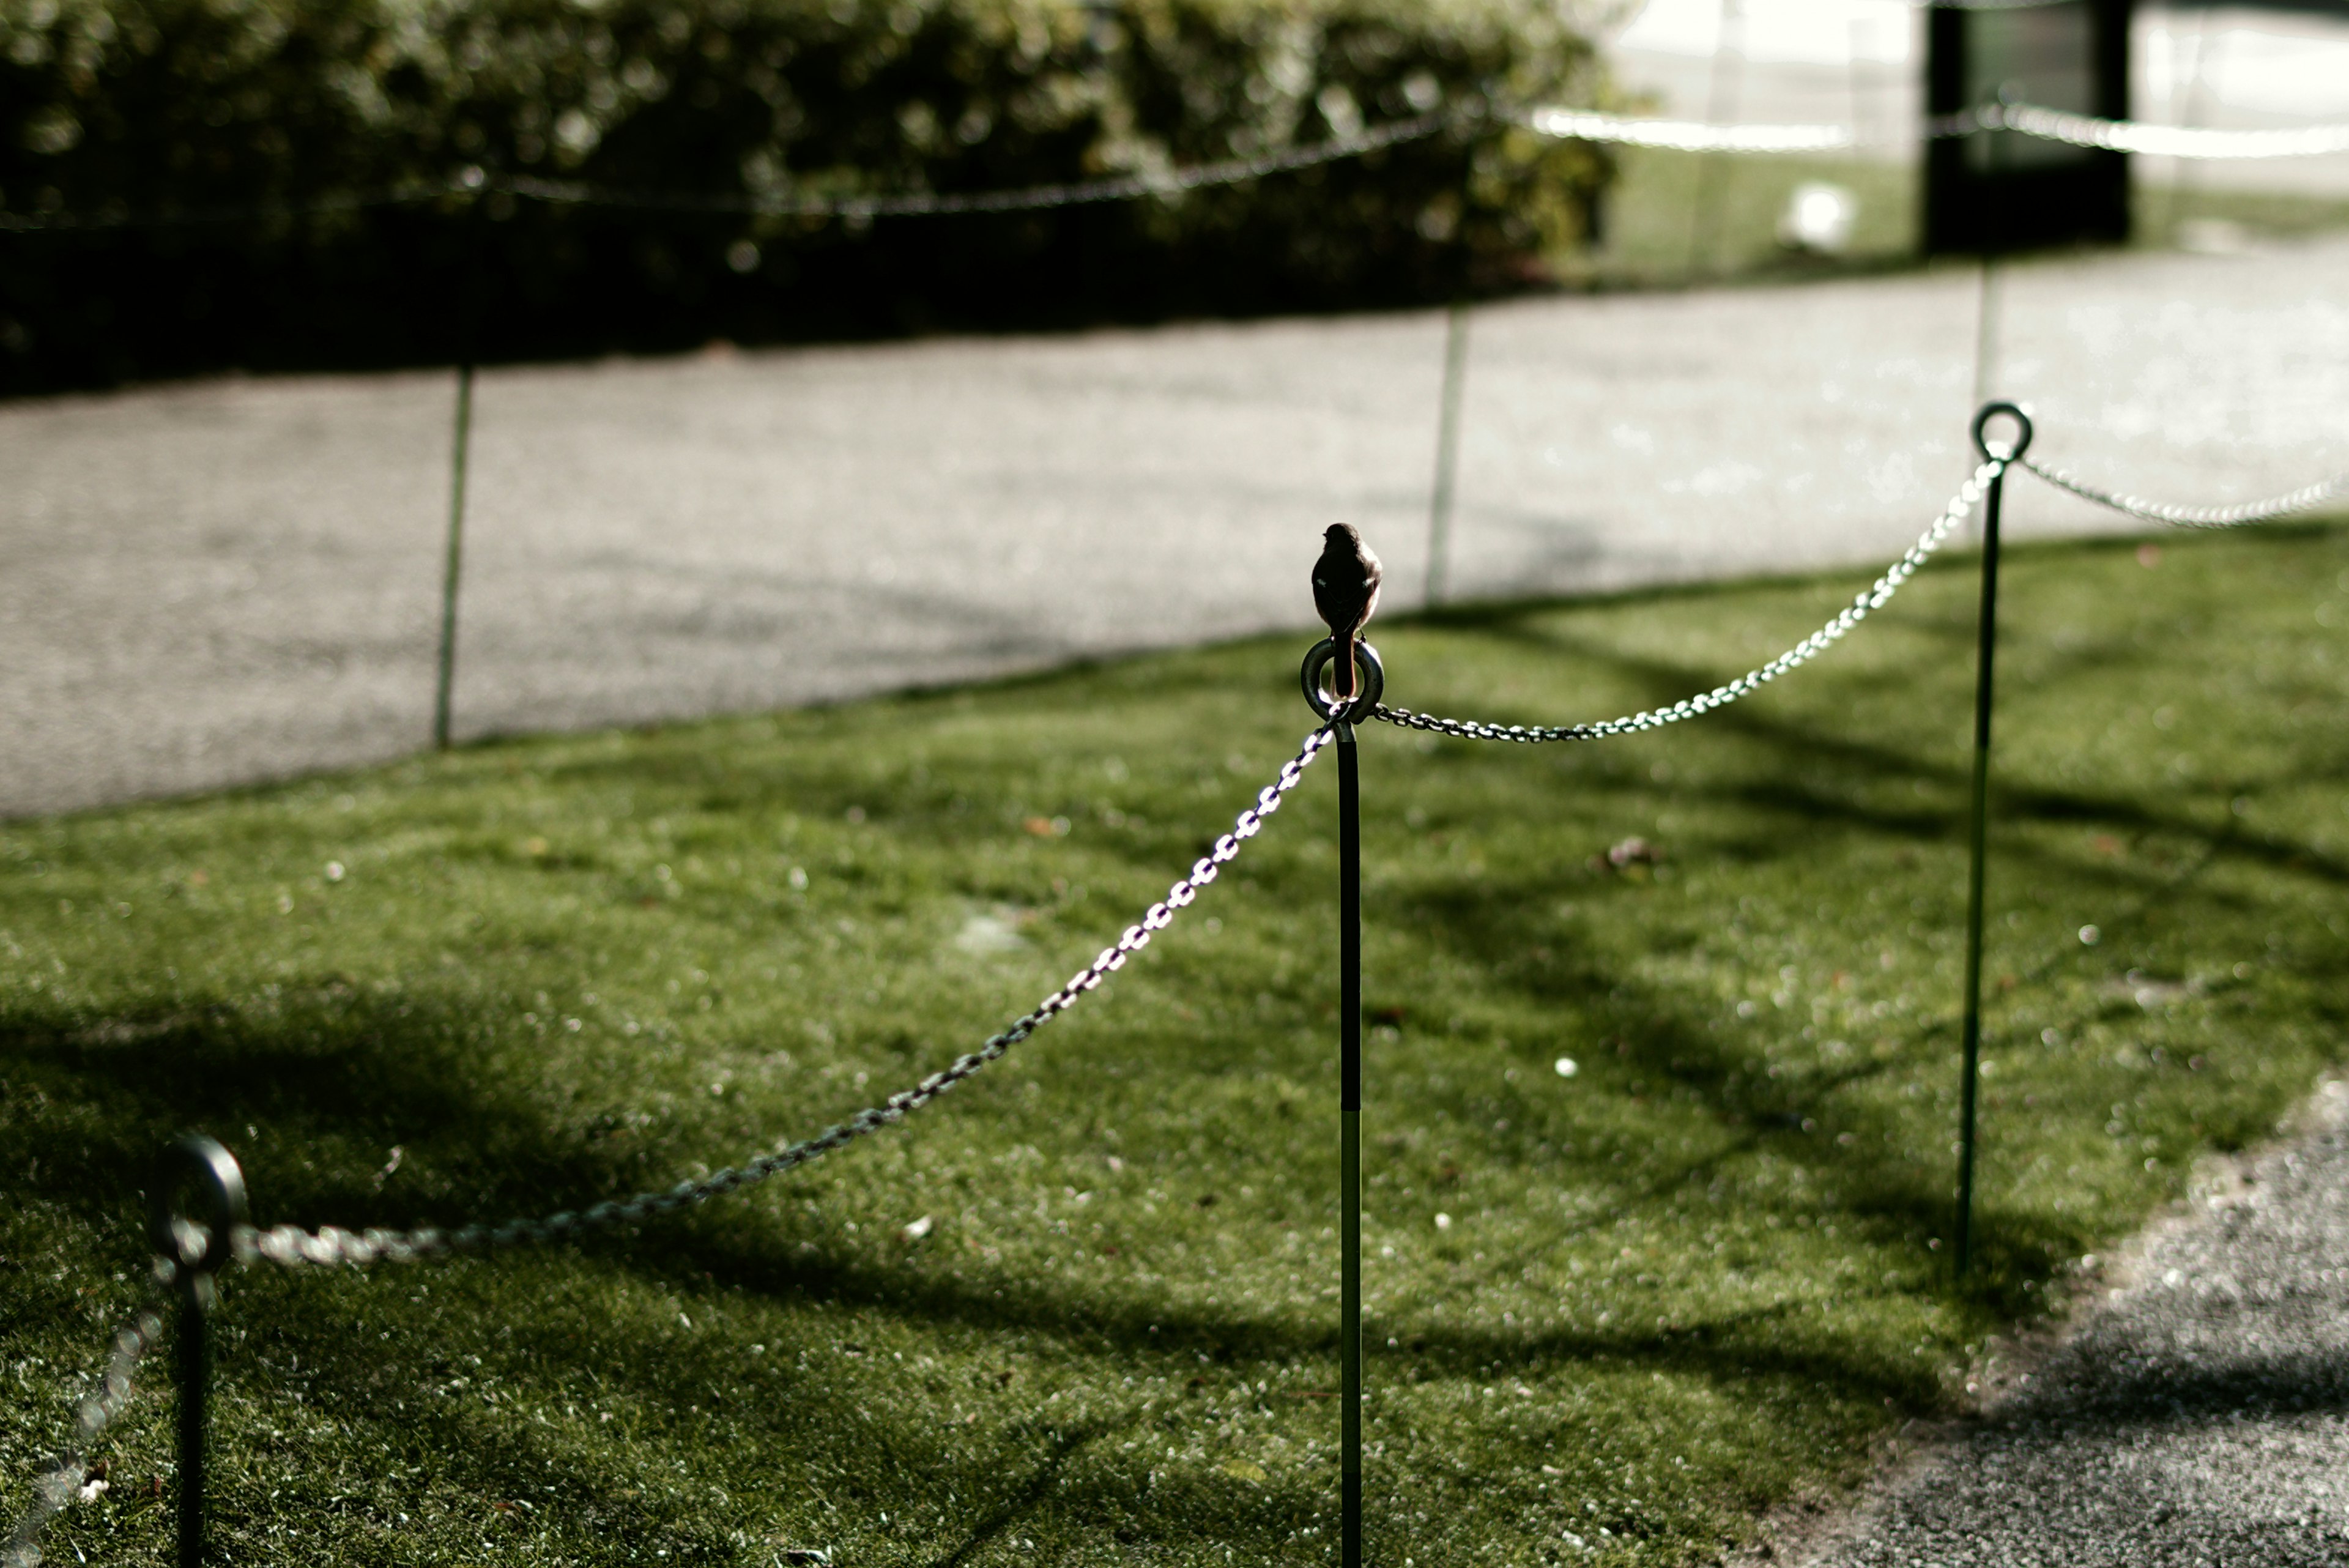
x=1653 y=238
x=1695 y=1279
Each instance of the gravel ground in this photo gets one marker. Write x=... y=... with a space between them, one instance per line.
x=2197 y=1417
x=227 y=581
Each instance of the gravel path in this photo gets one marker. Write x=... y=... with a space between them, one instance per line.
x=232 y=580
x=2198 y=1416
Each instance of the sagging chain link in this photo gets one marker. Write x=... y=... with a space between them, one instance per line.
x=2151 y=141
x=1961 y=506
x=2023 y=119
x=1686 y=135
x=473 y=183
x=95 y=1412
x=1023 y=199
x=2299 y=500
x=292 y=1246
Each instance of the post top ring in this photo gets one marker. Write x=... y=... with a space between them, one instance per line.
x=1327 y=708
x=1981 y=431
x=200 y=1250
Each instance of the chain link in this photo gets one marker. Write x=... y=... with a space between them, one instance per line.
x=292 y=1246
x=1023 y=199
x=473 y=183
x=2023 y=119
x=97 y=1411
x=2299 y=500
x=1961 y=506
x=1687 y=135
x=1570 y=124
x=2152 y=140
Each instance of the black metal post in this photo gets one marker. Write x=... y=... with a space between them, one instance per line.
x=1447 y=454
x=196 y=1254
x=1987 y=309
x=194 y=1359
x=1340 y=717
x=471 y=289
x=1721 y=106
x=453 y=561
x=1979 y=827
x=1349 y=1137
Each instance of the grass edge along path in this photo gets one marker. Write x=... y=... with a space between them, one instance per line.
x=1660 y=1083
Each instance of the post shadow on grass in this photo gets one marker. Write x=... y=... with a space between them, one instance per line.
x=1670 y=1033
x=399 y=1056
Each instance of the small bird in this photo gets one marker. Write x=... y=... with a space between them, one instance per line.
x=1346 y=594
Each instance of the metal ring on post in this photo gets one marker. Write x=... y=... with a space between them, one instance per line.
x=1366 y=701
x=1982 y=424
x=191 y=1247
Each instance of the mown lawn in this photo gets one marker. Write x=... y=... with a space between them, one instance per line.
x=1615 y=1316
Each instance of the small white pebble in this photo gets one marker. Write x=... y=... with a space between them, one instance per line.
x=916 y=1230
x=1566 y=1067
x=1443 y=1221
x=334 y=870
x=93 y=1492
x=2090 y=936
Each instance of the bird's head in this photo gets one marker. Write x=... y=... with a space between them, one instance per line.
x=1341 y=534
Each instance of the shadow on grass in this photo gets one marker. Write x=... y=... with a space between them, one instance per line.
x=337 y=1075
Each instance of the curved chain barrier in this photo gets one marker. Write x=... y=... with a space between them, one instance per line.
x=1960 y=505
x=2299 y=500
x=98 y=1410
x=1687 y=135
x=474 y=183
x=1029 y=198
x=2023 y=119
x=292 y=1246
x=2155 y=141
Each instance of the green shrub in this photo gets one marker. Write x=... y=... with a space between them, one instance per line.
x=196 y=108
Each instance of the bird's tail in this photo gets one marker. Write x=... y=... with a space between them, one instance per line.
x=1348 y=683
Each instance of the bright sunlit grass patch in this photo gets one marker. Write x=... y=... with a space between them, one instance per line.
x=1083 y=1310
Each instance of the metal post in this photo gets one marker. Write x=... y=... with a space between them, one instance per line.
x=1721 y=106
x=1447 y=454
x=453 y=561
x=1986 y=310
x=196 y=1252
x=1340 y=717
x=194 y=1366
x=1978 y=834
x=1986 y=327
x=1349 y=1136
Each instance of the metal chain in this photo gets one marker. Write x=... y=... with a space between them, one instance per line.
x=1569 y=124
x=1028 y=198
x=1961 y=506
x=98 y=1410
x=2154 y=141
x=474 y=183
x=2026 y=120
x=292 y=1246
x=2299 y=500
x=1686 y=135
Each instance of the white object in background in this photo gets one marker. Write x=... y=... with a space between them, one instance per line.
x=1818 y=218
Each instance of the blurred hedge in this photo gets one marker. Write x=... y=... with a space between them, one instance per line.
x=185 y=108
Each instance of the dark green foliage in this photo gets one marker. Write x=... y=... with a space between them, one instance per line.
x=185 y=108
